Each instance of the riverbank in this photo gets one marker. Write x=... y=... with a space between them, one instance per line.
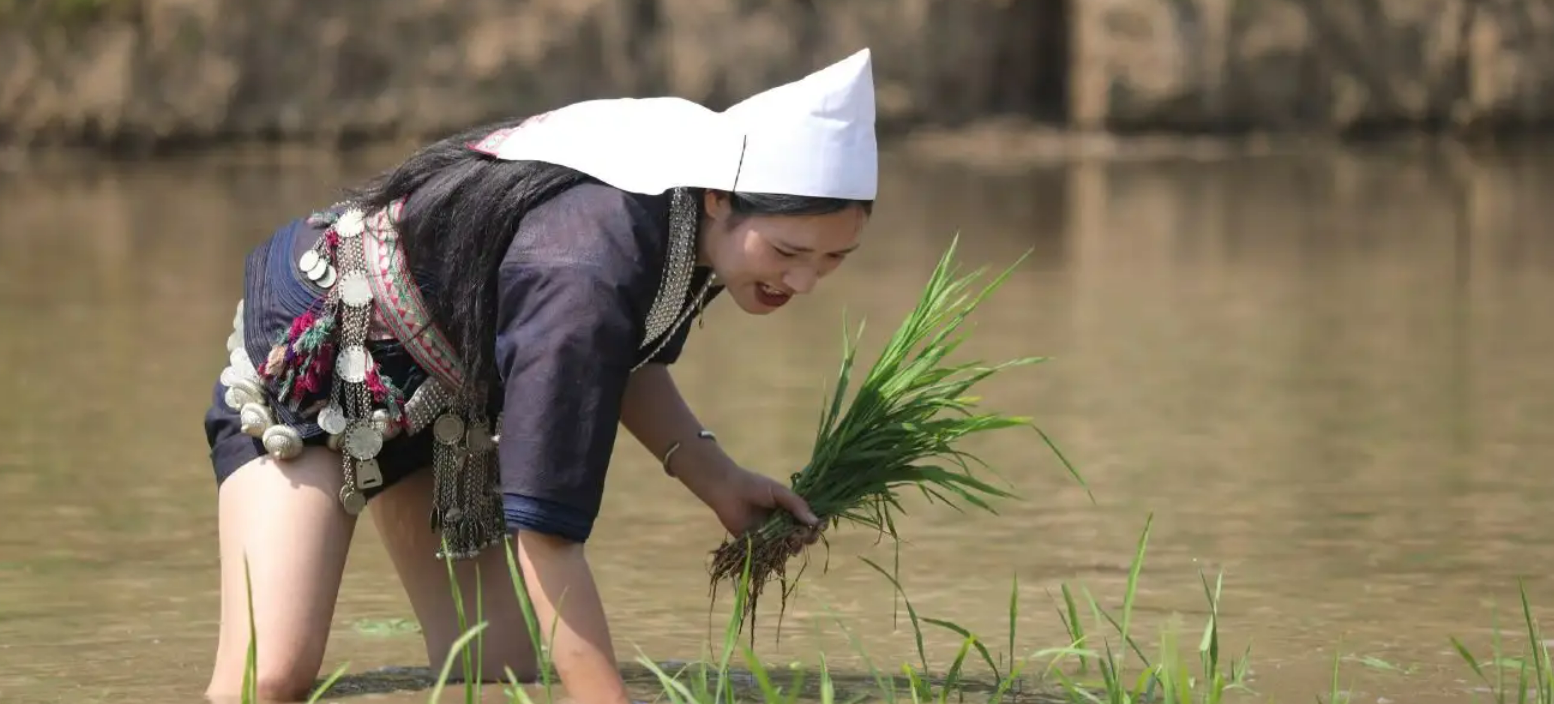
x=149 y=75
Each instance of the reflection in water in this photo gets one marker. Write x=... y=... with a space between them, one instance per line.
x=1326 y=375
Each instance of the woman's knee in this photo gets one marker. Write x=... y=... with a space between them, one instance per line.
x=497 y=658
x=275 y=679
x=285 y=684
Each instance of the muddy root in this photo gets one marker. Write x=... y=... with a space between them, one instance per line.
x=768 y=553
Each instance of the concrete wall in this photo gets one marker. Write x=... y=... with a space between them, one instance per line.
x=156 y=71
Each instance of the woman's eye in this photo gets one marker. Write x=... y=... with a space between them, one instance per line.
x=784 y=252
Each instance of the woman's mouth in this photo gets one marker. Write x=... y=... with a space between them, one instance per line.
x=770 y=297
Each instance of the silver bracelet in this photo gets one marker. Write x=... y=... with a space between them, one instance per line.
x=705 y=435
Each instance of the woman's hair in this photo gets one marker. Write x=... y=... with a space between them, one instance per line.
x=466 y=210
x=745 y=205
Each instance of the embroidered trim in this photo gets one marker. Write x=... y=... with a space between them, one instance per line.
x=400 y=305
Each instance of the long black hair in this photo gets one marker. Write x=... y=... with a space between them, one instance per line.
x=466 y=210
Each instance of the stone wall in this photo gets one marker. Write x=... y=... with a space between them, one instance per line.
x=144 y=72
x=1281 y=65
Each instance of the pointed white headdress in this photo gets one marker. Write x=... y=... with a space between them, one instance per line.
x=811 y=137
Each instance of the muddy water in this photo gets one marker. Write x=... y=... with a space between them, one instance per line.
x=1326 y=375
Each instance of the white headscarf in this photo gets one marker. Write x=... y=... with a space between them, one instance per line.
x=812 y=137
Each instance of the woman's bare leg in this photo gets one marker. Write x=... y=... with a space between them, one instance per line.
x=286 y=518
x=401 y=515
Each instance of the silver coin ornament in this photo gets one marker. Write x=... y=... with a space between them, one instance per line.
x=448 y=429
x=328 y=279
x=317 y=266
x=363 y=442
x=478 y=439
x=352 y=364
x=332 y=420
x=352 y=500
x=308 y=261
x=354 y=290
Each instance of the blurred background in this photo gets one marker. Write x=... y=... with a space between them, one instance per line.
x=1287 y=262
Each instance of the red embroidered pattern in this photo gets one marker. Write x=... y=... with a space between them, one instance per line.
x=400 y=305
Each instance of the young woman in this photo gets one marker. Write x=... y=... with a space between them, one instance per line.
x=455 y=344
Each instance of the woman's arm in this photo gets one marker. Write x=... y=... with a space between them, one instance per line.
x=655 y=413
x=560 y=582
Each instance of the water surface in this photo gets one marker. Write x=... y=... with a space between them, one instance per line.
x=1327 y=375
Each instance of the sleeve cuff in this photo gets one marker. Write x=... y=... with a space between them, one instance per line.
x=548 y=517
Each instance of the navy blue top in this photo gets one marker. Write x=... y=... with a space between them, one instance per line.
x=573 y=297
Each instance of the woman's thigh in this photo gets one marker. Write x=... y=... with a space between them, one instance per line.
x=283 y=519
x=401 y=514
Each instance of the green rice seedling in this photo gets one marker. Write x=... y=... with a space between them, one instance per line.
x=1538 y=683
x=712 y=683
x=1170 y=680
x=901 y=430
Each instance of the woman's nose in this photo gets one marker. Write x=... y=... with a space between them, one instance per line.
x=800 y=279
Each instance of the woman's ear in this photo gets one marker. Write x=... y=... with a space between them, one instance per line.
x=717 y=206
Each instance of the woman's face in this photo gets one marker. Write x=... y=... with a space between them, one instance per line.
x=764 y=260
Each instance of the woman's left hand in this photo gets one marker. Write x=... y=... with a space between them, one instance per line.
x=747 y=499
x=741 y=499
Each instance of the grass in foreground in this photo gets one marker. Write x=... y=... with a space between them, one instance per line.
x=1104 y=662
x=900 y=430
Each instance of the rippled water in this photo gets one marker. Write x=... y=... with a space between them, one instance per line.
x=1328 y=375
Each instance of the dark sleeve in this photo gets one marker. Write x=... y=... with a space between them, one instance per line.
x=572 y=291
x=565 y=350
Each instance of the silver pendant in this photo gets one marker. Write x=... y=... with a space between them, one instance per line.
x=282 y=442
x=363 y=442
x=352 y=500
x=478 y=439
x=307 y=262
x=255 y=419
x=318 y=266
x=354 y=290
x=332 y=420
x=368 y=475
x=240 y=394
x=329 y=278
x=448 y=429
x=352 y=364
x=240 y=363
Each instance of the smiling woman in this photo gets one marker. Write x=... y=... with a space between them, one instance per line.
x=768 y=247
x=460 y=338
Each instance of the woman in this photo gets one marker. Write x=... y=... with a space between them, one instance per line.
x=461 y=337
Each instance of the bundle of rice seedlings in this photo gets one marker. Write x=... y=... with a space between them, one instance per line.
x=900 y=431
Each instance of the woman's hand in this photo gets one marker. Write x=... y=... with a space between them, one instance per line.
x=746 y=499
x=741 y=499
